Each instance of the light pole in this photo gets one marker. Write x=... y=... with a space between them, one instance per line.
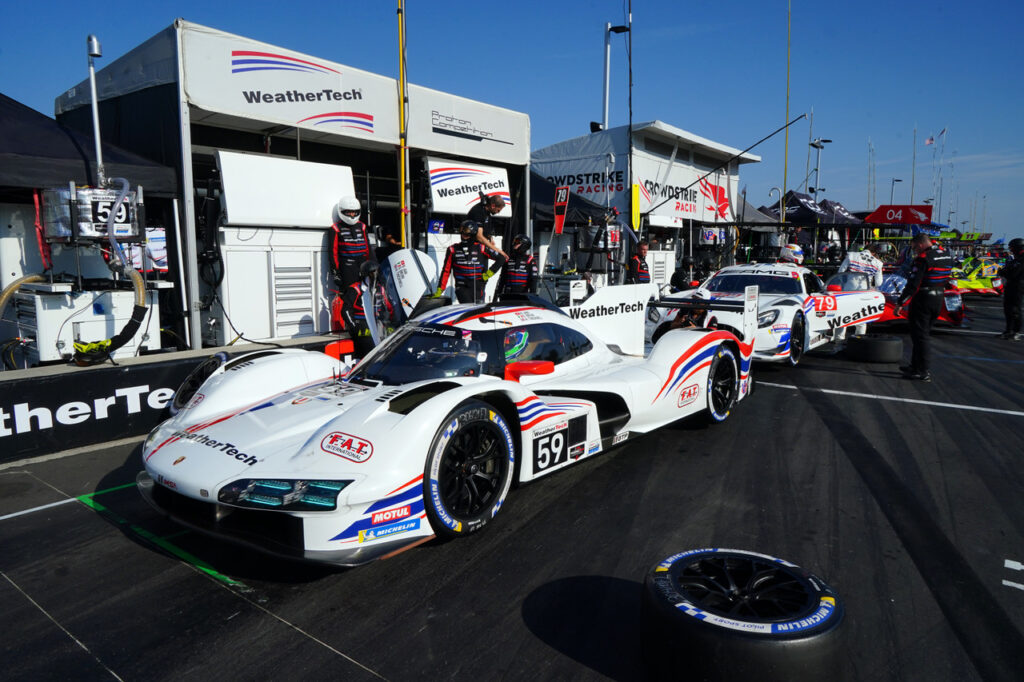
x=608 y=31
x=818 y=144
x=949 y=217
x=892 y=189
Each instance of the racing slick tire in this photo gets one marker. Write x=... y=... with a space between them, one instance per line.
x=726 y=614
x=723 y=385
x=469 y=470
x=797 y=340
x=875 y=348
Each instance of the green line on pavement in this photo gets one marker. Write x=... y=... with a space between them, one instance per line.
x=158 y=541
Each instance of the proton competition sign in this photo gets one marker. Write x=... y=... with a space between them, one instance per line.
x=455 y=186
x=229 y=74
x=446 y=123
x=669 y=193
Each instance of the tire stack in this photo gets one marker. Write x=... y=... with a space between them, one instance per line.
x=726 y=614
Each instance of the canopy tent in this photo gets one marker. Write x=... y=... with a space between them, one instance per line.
x=37 y=152
x=754 y=219
x=838 y=214
x=542 y=200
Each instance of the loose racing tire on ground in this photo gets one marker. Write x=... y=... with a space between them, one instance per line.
x=725 y=614
x=469 y=470
x=723 y=385
x=875 y=348
x=797 y=340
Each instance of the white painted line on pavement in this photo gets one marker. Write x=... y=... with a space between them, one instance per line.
x=35 y=509
x=1013 y=565
x=1012 y=584
x=1013 y=413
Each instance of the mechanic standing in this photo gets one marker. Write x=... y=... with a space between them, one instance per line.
x=925 y=291
x=637 y=271
x=519 y=275
x=866 y=262
x=353 y=312
x=483 y=215
x=466 y=262
x=1013 y=289
x=350 y=246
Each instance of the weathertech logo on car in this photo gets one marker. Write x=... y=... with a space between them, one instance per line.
x=227 y=448
x=866 y=311
x=604 y=310
x=349 y=447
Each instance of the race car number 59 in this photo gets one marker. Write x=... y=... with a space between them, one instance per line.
x=557 y=447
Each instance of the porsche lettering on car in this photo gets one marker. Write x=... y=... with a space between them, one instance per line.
x=796 y=312
x=297 y=454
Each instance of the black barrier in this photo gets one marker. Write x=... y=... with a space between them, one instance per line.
x=40 y=415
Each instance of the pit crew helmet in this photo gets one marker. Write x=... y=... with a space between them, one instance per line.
x=348 y=210
x=521 y=244
x=880 y=248
x=468 y=229
x=368 y=270
x=792 y=253
x=1016 y=246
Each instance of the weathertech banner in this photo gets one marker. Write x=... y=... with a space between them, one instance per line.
x=456 y=186
x=901 y=215
x=229 y=74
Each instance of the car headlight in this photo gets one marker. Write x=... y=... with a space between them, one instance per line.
x=767 y=317
x=282 y=494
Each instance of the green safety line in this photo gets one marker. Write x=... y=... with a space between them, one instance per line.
x=172 y=549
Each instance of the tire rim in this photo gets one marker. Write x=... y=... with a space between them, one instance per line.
x=747 y=588
x=796 y=341
x=472 y=469
x=723 y=386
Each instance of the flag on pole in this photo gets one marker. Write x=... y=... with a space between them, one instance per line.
x=942 y=132
x=930 y=140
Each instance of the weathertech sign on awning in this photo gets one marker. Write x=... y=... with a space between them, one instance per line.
x=456 y=186
x=901 y=215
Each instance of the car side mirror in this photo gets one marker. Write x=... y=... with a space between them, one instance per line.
x=528 y=367
x=833 y=287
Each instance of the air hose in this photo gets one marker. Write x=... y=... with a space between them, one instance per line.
x=98 y=351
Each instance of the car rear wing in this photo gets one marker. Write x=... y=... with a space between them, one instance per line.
x=747 y=307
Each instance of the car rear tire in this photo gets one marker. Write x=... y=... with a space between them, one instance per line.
x=875 y=348
x=724 y=614
x=797 y=340
x=723 y=385
x=468 y=471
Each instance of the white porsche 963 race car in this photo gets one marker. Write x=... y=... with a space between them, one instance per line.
x=796 y=312
x=292 y=453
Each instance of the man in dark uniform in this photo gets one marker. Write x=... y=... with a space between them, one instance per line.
x=1013 y=289
x=519 y=274
x=925 y=290
x=353 y=312
x=637 y=271
x=466 y=261
x=350 y=247
x=482 y=214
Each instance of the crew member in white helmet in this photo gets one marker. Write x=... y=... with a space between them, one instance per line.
x=792 y=253
x=350 y=246
x=866 y=261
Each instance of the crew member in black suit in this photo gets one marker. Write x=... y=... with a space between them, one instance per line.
x=925 y=290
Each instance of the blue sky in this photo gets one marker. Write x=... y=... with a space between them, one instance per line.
x=870 y=70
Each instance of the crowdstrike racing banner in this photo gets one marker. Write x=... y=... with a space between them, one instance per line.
x=229 y=74
x=672 y=192
x=455 y=186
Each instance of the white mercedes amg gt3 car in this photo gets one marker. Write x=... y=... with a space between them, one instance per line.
x=294 y=453
x=796 y=311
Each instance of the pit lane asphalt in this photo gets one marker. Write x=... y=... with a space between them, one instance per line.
x=912 y=511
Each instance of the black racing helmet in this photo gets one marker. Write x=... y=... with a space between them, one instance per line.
x=521 y=244
x=468 y=229
x=368 y=270
x=1016 y=245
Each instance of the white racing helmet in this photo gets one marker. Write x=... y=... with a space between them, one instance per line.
x=792 y=253
x=346 y=207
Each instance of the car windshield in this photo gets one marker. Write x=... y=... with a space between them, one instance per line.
x=423 y=351
x=767 y=284
x=850 y=281
x=893 y=284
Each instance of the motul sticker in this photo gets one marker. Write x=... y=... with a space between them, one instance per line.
x=347 y=446
x=688 y=394
x=389 y=515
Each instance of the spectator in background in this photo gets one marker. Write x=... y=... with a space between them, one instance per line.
x=1013 y=289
